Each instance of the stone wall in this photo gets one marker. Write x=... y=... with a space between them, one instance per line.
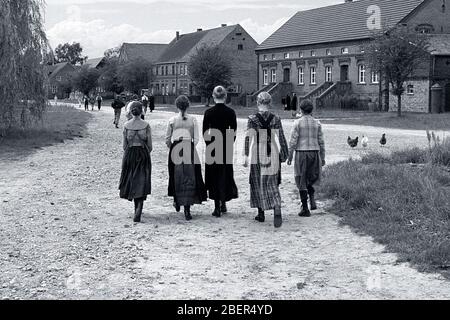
x=416 y=102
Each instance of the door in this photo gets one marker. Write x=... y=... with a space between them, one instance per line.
x=287 y=75
x=447 y=98
x=344 y=73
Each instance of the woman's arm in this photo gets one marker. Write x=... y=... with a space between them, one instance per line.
x=125 y=140
x=196 y=136
x=284 y=149
x=169 y=133
x=293 y=141
x=321 y=143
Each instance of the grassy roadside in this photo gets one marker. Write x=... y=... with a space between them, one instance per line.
x=402 y=201
x=60 y=123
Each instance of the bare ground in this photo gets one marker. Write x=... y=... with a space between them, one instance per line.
x=65 y=234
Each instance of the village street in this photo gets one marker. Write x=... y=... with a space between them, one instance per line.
x=65 y=234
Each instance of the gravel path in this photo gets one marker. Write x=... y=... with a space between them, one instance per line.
x=65 y=234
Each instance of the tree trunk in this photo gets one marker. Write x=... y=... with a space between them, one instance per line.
x=399 y=104
x=386 y=95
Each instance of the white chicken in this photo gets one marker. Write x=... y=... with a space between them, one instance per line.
x=365 y=142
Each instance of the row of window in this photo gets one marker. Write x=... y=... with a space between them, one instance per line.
x=168 y=89
x=171 y=70
x=313 y=75
x=312 y=53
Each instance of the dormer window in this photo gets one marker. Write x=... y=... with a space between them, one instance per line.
x=344 y=50
x=362 y=49
x=273 y=56
x=300 y=54
x=313 y=53
x=328 y=52
x=286 y=55
x=425 y=28
x=265 y=57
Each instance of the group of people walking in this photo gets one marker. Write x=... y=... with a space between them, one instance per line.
x=266 y=148
x=148 y=102
x=92 y=100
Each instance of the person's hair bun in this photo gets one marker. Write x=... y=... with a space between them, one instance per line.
x=136 y=108
x=220 y=93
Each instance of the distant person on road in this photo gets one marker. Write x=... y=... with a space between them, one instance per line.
x=99 y=100
x=151 y=101
x=294 y=103
x=92 y=102
x=186 y=184
x=135 y=180
x=145 y=103
x=86 y=103
x=308 y=147
x=266 y=159
x=117 y=105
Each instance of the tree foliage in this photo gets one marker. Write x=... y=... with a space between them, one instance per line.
x=135 y=75
x=208 y=68
x=72 y=53
x=85 y=80
x=109 y=78
x=23 y=44
x=397 y=54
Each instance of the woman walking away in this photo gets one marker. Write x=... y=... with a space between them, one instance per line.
x=135 y=181
x=219 y=173
x=185 y=172
x=308 y=144
x=266 y=159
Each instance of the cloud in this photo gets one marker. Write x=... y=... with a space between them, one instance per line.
x=261 y=32
x=96 y=36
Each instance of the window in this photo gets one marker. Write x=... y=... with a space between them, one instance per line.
x=328 y=74
x=185 y=70
x=265 y=77
x=174 y=89
x=54 y=89
x=59 y=78
x=425 y=28
x=410 y=89
x=300 y=54
x=362 y=49
x=273 y=56
x=239 y=34
x=344 y=50
x=313 y=53
x=362 y=74
x=173 y=69
x=265 y=57
x=301 y=75
x=286 y=55
x=155 y=71
x=240 y=47
x=167 y=70
x=328 y=52
x=375 y=78
x=273 y=75
x=312 y=73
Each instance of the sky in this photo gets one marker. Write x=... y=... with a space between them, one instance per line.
x=102 y=24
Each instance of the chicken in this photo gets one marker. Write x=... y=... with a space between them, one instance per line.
x=383 y=140
x=365 y=141
x=353 y=142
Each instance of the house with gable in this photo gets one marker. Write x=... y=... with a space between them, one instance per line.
x=319 y=53
x=58 y=76
x=147 y=51
x=170 y=72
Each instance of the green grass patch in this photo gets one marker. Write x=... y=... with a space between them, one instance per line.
x=59 y=123
x=402 y=206
x=412 y=121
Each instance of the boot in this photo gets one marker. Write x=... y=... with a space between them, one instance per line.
x=312 y=200
x=305 y=211
x=216 y=212
x=187 y=213
x=139 y=204
x=277 y=218
x=260 y=217
x=223 y=207
x=176 y=206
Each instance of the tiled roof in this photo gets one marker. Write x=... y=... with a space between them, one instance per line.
x=180 y=50
x=440 y=44
x=148 y=51
x=93 y=63
x=53 y=70
x=341 y=22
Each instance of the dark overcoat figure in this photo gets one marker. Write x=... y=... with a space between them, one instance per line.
x=294 y=103
x=288 y=102
x=151 y=101
x=219 y=178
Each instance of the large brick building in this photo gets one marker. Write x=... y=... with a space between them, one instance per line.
x=170 y=72
x=319 y=53
x=58 y=79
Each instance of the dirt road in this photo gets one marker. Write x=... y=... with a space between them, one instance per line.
x=65 y=234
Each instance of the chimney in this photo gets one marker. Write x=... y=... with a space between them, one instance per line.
x=178 y=35
x=224 y=25
x=198 y=30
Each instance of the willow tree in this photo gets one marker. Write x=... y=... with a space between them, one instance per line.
x=22 y=79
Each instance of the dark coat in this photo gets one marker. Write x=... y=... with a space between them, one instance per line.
x=288 y=102
x=219 y=177
x=151 y=101
x=294 y=103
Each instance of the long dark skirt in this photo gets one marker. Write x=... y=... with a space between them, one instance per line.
x=219 y=179
x=135 y=180
x=308 y=169
x=186 y=184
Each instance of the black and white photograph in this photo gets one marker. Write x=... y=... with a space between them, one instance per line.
x=232 y=150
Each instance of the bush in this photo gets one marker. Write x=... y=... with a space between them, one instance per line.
x=439 y=150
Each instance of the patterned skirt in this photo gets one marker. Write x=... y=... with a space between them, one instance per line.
x=135 y=180
x=308 y=169
x=264 y=189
